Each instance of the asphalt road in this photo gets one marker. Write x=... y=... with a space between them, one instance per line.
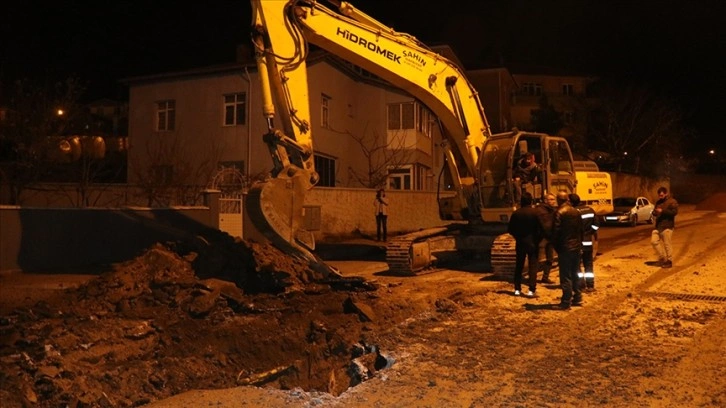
x=612 y=237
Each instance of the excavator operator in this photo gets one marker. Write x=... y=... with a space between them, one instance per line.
x=526 y=171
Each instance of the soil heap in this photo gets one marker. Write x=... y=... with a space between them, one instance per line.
x=171 y=320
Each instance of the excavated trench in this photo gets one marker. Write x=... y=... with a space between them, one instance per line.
x=174 y=319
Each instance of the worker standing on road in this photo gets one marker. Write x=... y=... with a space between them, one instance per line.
x=381 y=206
x=546 y=213
x=666 y=209
x=524 y=226
x=567 y=235
x=589 y=230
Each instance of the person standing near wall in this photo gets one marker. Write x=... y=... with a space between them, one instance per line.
x=666 y=209
x=381 y=206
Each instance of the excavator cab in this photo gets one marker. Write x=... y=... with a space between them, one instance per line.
x=496 y=169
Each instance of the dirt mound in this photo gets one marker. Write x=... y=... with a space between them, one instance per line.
x=716 y=202
x=229 y=314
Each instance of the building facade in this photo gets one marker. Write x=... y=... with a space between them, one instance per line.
x=566 y=93
x=185 y=127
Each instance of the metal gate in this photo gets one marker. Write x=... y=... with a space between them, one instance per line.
x=230 y=182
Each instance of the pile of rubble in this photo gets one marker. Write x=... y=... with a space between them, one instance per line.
x=170 y=320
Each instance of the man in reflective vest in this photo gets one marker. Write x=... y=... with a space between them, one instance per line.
x=590 y=226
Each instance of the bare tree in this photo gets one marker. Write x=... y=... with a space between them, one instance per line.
x=546 y=118
x=381 y=156
x=636 y=126
x=172 y=172
x=36 y=111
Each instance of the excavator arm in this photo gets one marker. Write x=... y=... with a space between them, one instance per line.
x=281 y=32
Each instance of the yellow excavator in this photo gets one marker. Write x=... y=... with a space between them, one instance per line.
x=478 y=164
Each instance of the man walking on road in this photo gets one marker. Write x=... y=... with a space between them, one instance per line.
x=525 y=228
x=567 y=235
x=666 y=209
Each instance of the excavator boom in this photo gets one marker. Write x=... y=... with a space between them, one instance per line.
x=281 y=31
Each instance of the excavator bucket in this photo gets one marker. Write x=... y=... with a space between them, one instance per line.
x=275 y=207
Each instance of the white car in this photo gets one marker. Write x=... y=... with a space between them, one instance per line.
x=630 y=211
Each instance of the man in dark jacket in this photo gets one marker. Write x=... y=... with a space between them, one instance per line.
x=666 y=209
x=589 y=230
x=525 y=228
x=567 y=235
x=546 y=213
x=526 y=171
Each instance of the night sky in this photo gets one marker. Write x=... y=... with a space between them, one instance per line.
x=673 y=47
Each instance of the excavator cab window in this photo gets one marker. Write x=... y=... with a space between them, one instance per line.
x=495 y=168
x=530 y=144
x=522 y=146
x=560 y=158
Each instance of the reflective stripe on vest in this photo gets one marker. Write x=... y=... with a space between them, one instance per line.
x=587 y=243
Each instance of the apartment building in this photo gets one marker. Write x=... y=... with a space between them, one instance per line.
x=564 y=91
x=186 y=127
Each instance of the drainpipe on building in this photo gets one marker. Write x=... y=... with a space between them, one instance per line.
x=249 y=127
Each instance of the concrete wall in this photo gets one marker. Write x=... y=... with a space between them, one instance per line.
x=348 y=212
x=37 y=239
x=686 y=188
x=56 y=238
x=694 y=189
x=628 y=185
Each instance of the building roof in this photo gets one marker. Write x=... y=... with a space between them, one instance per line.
x=531 y=69
x=316 y=56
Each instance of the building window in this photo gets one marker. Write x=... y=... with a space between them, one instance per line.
x=568 y=89
x=560 y=158
x=325 y=166
x=420 y=179
x=410 y=115
x=162 y=174
x=568 y=117
x=165 y=115
x=399 y=178
x=235 y=112
x=424 y=120
x=394 y=116
x=531 y=89
x=401 y=116
x=408 y=120
x=325 y=110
